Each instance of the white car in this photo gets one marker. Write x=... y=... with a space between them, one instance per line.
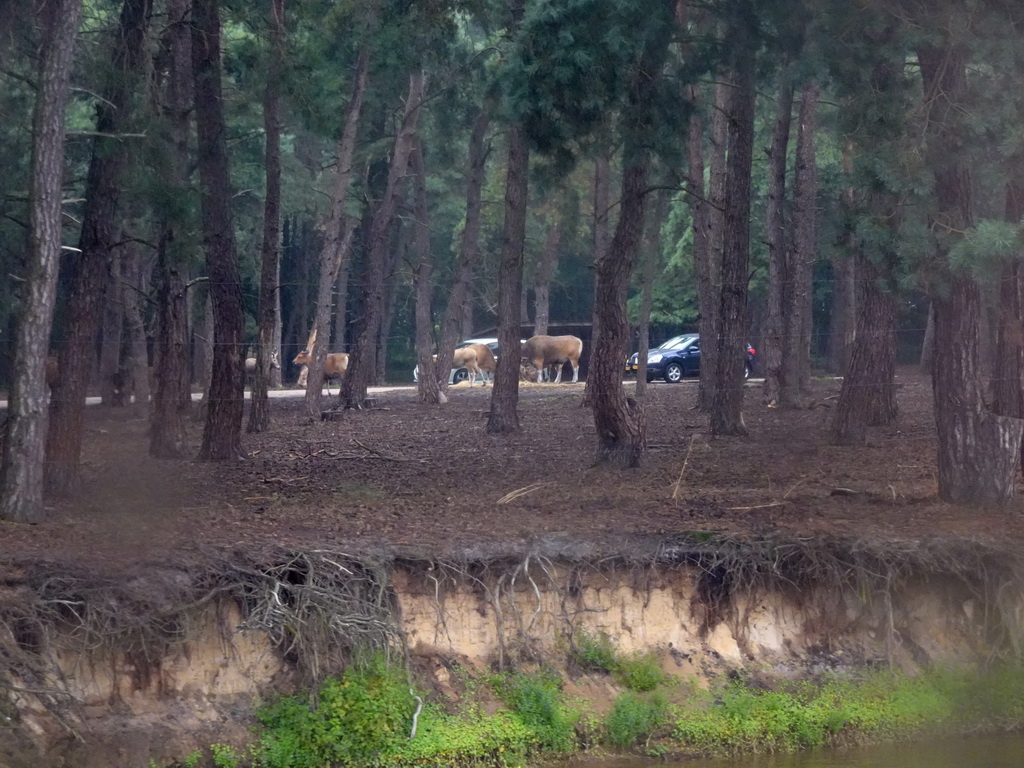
x=462 y=374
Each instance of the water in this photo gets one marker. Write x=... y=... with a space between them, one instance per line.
x=973 y=752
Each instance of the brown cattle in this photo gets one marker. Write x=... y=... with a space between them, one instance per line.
x=334 y=366
x=542 y=351
x=250 y=362
x=477 y=359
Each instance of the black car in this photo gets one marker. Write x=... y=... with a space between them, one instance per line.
x=679 y=357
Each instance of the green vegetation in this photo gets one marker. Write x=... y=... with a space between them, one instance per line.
x=879 y=707
x=637 y=672
x=365 y=717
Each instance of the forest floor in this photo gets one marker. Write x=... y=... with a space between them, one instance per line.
x=408 y=480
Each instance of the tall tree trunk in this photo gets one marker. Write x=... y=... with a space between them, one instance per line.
x=137 y=360
x=728 y=370
x=652 y=259
x=338 y=233
x=542 y=281
x=259 y=409
x=797 y=354
x=341 y=306
x=978 y=452
x=778 y=279
x=602 y=216
x=843 y=320
x=504 y=414
x=223 y=427
x=21 y=468
x=172 y=397
x=868 y=394
x=1008 y=377
x=460 y=299
x=91 y=270
x=112 y=389
x=362 y=364
x=429 y=391
x=619 y=420
x=709 y=271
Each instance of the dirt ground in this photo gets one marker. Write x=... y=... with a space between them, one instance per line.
x=407 y=480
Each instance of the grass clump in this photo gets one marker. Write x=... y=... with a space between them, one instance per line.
x=536 y=699
x=635 y=717
x=637 y=672
x=595 y=652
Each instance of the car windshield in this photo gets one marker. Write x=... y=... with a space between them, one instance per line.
x=680 y=342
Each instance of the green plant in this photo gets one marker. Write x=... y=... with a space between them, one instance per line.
x=225 y=756
x=191 y=760
x=640 y=672
x=635 y=718
x=594 y=652
x=536 y=699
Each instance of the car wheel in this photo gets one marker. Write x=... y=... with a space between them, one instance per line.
x=747 y=371
x=460 y=375
x=674 y=373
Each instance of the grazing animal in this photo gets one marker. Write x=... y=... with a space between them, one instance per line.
x=477 y=359
x=334 y=366
x=250 y=362
x=542 y=351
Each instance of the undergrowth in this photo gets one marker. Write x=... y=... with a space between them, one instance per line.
x=371 y=717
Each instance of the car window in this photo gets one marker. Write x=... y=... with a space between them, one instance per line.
x=679 y=342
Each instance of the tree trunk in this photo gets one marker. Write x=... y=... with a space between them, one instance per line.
x=709 y=270
x=460 y=299
x=504 y=414
x=796 y=354
x=112 y=389
x=223 y=426
x=978 y=452
x=362 y=364
x=602 y=215
x=91 y=270
x=542 y=281
x=728 y=368
x=338 y=235
x=429 y=390
x=778 y=279
x=259 y=409
x=1008 y=377
x=172 y=397
x=652 y=260
x=137 y=360
x=21 y=469
x=868 y=394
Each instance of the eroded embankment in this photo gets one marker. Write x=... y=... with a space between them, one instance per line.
x=150 y=668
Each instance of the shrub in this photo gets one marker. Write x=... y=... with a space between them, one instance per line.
x=640 y=672
x=537 y=700
x=595 y=652
x=634 y=718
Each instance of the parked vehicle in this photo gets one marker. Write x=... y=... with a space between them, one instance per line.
x=678 y=358
x=457 y=375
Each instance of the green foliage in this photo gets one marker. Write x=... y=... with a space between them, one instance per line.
x=225 y=756
x=595 y=652
x=635 y=718
x=364 y=714
x=537 y=700
x=879 y=707
x=473 y=739
x=640 y=672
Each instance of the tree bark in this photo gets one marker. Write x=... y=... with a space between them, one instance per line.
x=652 y=260
x=778 y=278
x=112 y=390
x=427 y=385
x=338 y=235
x=362 y=364
x=137 y=359
x=504 y=414
x=978 y=452
x=21 y=468
x=1008 y=377
x=172 y=397
x=796 y=355
x=542 y=279
x=729 y=365
x=460 y=299
x=223 y=425
x=259 y=408
x=868 y=394
x=91 y=270
x=709 y=271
